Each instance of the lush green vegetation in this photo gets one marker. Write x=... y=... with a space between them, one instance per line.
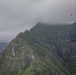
x=44 y=50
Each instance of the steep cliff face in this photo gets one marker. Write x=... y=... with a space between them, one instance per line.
x=62 y=37
x=40 y=51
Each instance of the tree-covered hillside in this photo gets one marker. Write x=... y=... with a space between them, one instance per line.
x=44 y=50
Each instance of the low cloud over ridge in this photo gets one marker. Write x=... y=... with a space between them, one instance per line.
x=19 y=15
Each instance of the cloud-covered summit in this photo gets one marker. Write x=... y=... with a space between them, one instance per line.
x=19 y=15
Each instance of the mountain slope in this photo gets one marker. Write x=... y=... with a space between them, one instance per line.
x=40 y=51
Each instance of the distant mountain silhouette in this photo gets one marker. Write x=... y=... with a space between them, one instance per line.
x=3 y=45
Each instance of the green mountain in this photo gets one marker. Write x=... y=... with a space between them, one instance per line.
x=44 y=50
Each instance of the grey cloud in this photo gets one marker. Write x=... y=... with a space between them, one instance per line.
x=19 y=15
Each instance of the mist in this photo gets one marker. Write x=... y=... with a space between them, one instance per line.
x=19 y=15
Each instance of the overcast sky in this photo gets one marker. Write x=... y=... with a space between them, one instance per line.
x=18 y=15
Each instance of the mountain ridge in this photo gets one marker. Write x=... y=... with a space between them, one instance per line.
x=40 y=51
